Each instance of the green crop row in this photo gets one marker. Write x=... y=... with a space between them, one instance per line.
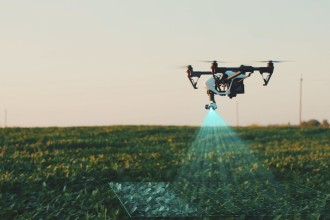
x=50 y=173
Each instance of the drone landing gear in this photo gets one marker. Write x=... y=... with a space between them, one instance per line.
x=212 y=105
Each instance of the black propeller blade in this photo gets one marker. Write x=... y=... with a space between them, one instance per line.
x=273 y=61
x=183 y=66
x=211 y=61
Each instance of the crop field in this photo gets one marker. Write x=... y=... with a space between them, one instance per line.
x=65 y=173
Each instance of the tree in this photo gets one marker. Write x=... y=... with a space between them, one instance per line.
x=311 y=123
x=325 y=123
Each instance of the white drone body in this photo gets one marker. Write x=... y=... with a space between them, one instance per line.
x=224 y=87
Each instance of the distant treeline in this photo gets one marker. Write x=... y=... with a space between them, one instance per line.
x=315 y=123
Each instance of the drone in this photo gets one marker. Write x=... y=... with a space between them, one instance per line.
x=228 y=81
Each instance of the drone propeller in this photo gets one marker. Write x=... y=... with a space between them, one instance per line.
x=211 y=61
x=184 y=66
x=273 y=61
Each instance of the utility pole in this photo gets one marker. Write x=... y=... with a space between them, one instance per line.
x=300 y=103
x=237 y=115
x=5 y=124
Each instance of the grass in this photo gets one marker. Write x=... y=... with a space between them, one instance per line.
x=48 y=173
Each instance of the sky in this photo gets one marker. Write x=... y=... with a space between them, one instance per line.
x=107 y=62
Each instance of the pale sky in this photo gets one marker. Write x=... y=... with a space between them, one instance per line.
x=82 y=62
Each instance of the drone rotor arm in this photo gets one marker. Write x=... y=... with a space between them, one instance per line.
x=196 y=75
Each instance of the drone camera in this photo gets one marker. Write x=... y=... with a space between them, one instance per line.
x=212 y=106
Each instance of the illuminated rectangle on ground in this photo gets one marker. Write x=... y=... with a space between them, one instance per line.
x=179 y=199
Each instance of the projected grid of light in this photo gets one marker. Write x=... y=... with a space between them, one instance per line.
x=176 y=199
x=218 y=155
x=220 y=176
